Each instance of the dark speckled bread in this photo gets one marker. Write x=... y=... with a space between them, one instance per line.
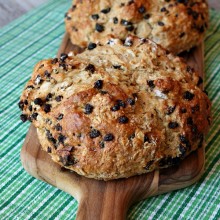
x=117 y=110
x=177 y=25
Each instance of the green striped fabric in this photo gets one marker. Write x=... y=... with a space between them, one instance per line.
x=37 y=35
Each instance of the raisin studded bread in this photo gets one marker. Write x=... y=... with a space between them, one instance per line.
x=117 y=110
x=177 y=25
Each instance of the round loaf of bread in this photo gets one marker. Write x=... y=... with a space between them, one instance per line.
x=117 y=110
x=177 y=25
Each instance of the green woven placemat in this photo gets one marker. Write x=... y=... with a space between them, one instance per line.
x=37 y=35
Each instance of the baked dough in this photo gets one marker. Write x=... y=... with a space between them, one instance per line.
x=117 y=110
x=177 y=25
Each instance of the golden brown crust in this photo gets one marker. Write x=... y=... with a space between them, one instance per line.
x=117 y=110
x=176 y=25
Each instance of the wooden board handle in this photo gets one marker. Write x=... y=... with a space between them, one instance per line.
x=112 y=200
x=102 y=204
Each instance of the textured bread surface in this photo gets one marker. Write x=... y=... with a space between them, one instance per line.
x=176 y=25
x=118 y=110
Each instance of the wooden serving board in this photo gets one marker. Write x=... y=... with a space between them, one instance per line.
x=111 y=200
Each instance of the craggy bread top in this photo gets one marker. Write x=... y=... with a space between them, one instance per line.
x=117 y=110
x=177 y=25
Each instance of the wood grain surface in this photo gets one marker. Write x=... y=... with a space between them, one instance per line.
x=98 y=199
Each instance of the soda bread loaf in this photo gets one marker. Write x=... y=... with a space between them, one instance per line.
x=177 y=25
x=118 y=109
